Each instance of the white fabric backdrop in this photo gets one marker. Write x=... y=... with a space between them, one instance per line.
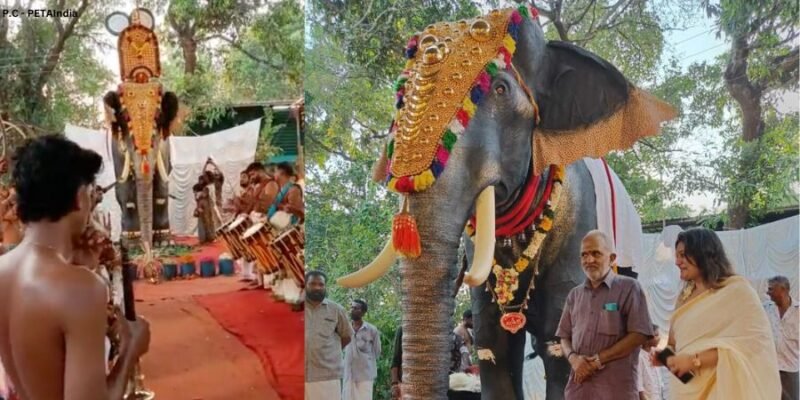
x=628 y=244
x=232 y=149
x=757 y=254
x=100 y=142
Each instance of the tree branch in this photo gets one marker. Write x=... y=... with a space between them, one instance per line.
x=592 y=4
x=244 y=51
x=55 y=52
x=328 y=149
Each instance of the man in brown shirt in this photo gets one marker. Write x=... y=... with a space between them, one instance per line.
x=604 y=323
x=327 y=332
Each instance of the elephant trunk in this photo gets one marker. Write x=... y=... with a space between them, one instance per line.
x=144 y=204
x=428 y=304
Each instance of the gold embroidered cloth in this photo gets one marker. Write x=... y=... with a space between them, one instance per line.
x=449 y=57
x=142 y=101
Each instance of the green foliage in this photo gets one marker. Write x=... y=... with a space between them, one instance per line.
x=263 y=149
x=771 y=167
x=47 y=96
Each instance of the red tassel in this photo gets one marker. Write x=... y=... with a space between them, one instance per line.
x=405 y=236
x=146 y=168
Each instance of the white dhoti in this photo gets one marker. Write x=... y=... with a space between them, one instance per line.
x=325 y=390
x=247 y=269
x=357 y=390
x=269 y=280
x=291 y=291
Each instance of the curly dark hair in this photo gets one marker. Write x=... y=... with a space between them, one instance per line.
x=255 y=166
x=363 y=304
x=703 y=247
x=315 y=272
x=47 y=174
x=287 y=168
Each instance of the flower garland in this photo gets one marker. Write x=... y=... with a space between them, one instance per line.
x=507 y=278
x=461 y=120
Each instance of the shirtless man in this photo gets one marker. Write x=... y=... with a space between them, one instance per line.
x=53 y=317
x=265 y=190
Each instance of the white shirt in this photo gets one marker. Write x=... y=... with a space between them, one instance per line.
x=647 y=379
x=786 y=332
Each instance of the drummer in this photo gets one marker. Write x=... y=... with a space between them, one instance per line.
x=265 y=188
x=290 y=197
x=288 y=200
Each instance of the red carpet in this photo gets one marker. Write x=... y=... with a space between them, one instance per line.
x=270 y=329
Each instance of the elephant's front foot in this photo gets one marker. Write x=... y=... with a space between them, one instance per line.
x=163 y=238
x=130 y=239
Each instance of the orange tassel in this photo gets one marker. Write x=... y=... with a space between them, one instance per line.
x=405 y=236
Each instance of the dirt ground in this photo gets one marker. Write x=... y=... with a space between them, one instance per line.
x=191 y=357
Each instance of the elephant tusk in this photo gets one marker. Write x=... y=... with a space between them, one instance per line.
x=126 y=169
x=484 y=239
x=376 y=269
x=162 y=169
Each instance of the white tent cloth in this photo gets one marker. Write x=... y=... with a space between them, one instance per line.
x=757 y=254
x=628 y=244
x=232 y=150
x=100 y=142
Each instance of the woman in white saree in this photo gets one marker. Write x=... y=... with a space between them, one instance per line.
x=719 y=330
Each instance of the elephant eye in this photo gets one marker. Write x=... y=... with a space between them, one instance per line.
x=500 y=88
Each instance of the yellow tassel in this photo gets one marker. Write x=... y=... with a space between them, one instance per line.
x=405 y=236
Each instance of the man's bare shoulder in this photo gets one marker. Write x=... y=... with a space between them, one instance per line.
x=50 y=279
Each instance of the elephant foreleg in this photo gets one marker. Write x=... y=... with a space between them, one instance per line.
x=126 y=196
x=161 y=232
x=500 y=353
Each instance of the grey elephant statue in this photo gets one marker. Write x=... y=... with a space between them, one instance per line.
x=141 y=117
x=491 y=126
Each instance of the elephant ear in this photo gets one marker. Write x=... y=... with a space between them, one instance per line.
x=381 y=168
x=172 y=114
x=587 y=108
x=113 y=112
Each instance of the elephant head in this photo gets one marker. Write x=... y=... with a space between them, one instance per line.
x=483 y=106
x=142 y=116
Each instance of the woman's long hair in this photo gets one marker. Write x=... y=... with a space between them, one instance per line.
x=703 y=247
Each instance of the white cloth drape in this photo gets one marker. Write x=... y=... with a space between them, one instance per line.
x=757 y=254
x=628 y=244
x=232 y=150
x=100 y=142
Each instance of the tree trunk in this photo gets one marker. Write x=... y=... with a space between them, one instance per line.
x=189 y=47
x=748 y=96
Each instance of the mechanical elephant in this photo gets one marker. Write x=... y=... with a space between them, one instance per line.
x=142 y=117
x=491 y=126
